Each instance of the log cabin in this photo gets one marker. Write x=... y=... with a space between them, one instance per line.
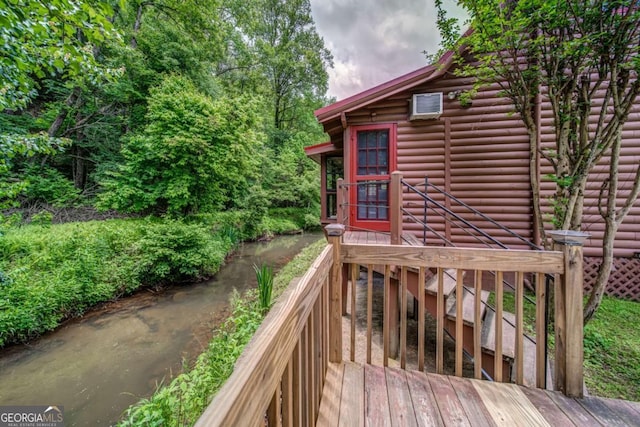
x=477 y=152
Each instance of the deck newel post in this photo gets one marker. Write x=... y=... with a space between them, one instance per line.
x=395 y=207
x=568 y=313
x=334 y=235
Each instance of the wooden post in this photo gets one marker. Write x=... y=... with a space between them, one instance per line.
x=340 y=200
x=394 y=314
x=395 y=217
x=395 y=207
x=334 y=235
x=568 y=314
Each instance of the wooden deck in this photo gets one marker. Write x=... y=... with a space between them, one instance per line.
x=378 y=238
x=367 y=395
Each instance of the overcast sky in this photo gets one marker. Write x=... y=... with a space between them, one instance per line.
x=373 y=41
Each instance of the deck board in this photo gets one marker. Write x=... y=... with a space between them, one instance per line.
x=378 y=238
x=472 y=403
x=547 y=407
x=602 y=412
x=508 y=405
x=400 y=405
x=424 y=401
x=352 y=402
x=376 y=403
x=357 y=395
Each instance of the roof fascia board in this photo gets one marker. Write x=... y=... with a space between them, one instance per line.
x=387 y=89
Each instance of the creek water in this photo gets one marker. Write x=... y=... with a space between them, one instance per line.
x=96 y=366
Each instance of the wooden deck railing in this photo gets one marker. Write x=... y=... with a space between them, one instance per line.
x=280 y=376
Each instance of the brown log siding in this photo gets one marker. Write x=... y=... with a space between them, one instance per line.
x=480 y=154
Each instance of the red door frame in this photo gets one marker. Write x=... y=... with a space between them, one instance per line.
x=378 y=225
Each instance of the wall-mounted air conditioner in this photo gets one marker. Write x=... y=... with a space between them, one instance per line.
x=426 y=106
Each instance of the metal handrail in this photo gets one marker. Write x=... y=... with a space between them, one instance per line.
x=482 y=233
x=473 y=210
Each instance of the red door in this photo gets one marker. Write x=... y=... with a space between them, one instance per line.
x=372 y=161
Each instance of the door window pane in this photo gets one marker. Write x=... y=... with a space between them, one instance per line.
x=373 y=152
x=373 y=201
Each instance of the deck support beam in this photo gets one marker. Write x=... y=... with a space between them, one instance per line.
x=568 y=314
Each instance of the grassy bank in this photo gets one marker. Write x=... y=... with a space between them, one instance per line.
x=182 y=401
x=612 y=350
x=52 y=273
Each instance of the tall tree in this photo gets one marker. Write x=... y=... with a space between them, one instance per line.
x=289 y=54
x=195 y=154
x=583 y=58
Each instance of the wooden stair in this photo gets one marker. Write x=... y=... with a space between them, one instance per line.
x=488 y=325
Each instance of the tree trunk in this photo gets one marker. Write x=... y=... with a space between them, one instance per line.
x=137 y=24
x=612 y=222
x=71 y=100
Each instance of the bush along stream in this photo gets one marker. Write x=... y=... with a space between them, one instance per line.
x=52 y=273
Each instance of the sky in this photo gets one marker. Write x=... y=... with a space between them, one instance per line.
x=373 y=41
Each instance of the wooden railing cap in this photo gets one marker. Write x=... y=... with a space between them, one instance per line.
x=335 y=229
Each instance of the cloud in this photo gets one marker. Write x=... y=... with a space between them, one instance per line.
x=375 y=41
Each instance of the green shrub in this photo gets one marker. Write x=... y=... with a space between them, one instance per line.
x=195 y=154
x=53 y=272
x=60 y=271
x=48 y=185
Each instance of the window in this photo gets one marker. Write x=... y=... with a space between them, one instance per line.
x=373 y=152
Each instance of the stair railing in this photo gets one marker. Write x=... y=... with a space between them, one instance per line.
x=444 y=212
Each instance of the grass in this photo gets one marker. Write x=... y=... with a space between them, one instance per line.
x=612 y=350
x=183 y=400
x=611 y=346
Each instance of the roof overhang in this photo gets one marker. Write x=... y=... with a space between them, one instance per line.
x=399 y=84
x=315 y=151
x=403 y=83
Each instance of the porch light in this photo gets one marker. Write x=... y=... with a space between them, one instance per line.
x=569 y=237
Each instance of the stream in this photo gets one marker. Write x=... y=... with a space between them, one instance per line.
x=98 y=365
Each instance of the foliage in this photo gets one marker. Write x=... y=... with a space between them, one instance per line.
x=52 y=272
x=60 y=271
x=183 y=400
x=195 y=154
x=53 y=37
x=583 y=59
x=14 y=147
x=264 y=276
x=289 y=56
x=239 y=65
x=47 y=185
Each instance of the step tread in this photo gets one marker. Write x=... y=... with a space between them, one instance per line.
x=468 y=305
x=449 y=283
x=508 y=333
